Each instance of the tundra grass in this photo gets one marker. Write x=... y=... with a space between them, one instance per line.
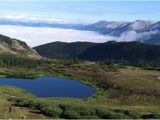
x=130 y=88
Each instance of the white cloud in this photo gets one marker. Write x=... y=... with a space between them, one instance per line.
x=40 y=35
x=128 y=36
x=27 y=18
x=133 y=35
x=147 y=33
x=35 y=36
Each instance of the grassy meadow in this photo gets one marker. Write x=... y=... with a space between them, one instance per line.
x=122 y=92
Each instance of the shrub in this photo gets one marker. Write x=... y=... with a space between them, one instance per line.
x=51 y=110
x=75 y=111
x=151 y=116
x=106 y=114
x=130 y=114
x=78 y=112
x=23 y=102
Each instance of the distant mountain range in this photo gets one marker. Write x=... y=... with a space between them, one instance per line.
x=39 y=23
x=117 y=28
x=15 y=47
x=140 y=30
x=121 y=52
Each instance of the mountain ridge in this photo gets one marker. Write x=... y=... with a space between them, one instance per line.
x=122 y=52
x=141 y=30
x=16 y=47
x=62 y=49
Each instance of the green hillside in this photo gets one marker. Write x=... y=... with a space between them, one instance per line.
x=124 y=52
x=60 y=50
x=130 y=53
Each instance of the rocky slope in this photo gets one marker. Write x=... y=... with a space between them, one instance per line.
x=16 y=47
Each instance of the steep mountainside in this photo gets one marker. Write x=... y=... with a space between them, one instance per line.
x=16 y=47
x=123 y=52
x=155 y=26
x=131 y=26
x=117 y=28
x=104 y=27
x=151 y=34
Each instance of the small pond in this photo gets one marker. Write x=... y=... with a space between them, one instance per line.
x=51 y=87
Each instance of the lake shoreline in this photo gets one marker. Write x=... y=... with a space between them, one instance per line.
x=108 y=99
x=98 y=90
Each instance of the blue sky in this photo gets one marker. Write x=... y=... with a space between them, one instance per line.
x=85 y=11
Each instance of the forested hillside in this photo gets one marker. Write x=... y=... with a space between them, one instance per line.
x=132 y=53
x=61 y=50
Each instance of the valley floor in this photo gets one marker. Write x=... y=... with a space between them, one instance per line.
x=122 y=92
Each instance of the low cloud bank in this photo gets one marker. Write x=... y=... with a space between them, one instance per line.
x=35 y=36
x=133 y=35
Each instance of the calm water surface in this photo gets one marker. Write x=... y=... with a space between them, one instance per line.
x=51 y=87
